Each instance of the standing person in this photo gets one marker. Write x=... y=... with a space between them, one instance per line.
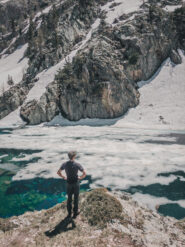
x=71 y=168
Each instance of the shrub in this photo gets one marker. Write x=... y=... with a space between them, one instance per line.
x=100 y=208
x=10 y=81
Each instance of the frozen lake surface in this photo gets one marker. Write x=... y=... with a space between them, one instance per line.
x=150 y=164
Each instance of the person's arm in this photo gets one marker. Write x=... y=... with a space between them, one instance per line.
x=60 y=174
x=83 y=175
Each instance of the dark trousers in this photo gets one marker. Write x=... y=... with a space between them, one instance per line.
x=72 y=189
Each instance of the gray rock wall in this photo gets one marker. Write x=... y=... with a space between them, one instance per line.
x=13 y=98
x=101 y=81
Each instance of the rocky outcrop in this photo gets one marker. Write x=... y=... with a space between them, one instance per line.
x=106 y=219
x=13 y=98
x=60 y=30
x=98 y=87
x=45 y=111
x=101 y=80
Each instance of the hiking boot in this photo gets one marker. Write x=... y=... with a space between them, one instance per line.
x=76 y=214
x=69 y=216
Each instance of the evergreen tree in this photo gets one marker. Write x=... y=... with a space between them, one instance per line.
x=13 y=25
x=31 y=29
x=10 y=81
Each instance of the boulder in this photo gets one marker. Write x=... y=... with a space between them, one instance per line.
x=11 y=99
x=34 y=113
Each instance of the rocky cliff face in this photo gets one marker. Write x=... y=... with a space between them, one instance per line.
x=59 y=31
x=14 y=21
x=101 y=80
x=106 y=219
x=12 y=99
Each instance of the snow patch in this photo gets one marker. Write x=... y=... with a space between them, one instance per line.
x=44 y=11
x=4 y=1
x=61 y=121
x=11 y=43
x=12 y=120
x=121 y=7
x=162 y=100
x=14 y=65
x=172 y=8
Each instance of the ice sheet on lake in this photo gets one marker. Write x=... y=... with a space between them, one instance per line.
x=152 y=202
x=113 y=156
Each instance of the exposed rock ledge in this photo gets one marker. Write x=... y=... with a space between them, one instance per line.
x=106 y=219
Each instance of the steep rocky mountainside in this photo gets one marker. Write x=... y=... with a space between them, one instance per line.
x=106 y=219
x=84 y=60
x=14 y=20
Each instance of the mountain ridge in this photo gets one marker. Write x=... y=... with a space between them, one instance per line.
x=100 y=78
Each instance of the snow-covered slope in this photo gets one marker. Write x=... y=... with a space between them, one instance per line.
x=13 y=120
x=162 y=100
x=13 y=65
x=119 y=7
x=162 y=103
